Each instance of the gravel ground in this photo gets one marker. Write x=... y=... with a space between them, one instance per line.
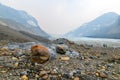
x=92 y=63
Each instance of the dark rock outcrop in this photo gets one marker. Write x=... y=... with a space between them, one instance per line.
x=61 y=49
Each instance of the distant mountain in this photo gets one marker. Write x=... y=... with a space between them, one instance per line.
x=20 y=20
x=105 y=26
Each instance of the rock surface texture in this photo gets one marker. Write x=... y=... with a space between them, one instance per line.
x=79 y=63
x=39 y=54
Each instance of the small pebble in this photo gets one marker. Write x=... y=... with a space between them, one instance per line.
x=14 y=58
x=45 y=77
x=103 y=75
x=76 y=78
x=97 y=74
x=3 y=72
x=16 y=64
x=24 y=77
x=65 y=58
x=42 y=73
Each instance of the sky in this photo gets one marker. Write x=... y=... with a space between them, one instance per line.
x=62 y=16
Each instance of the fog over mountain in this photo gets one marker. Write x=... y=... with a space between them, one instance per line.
x=104 y=26
x=20 y=20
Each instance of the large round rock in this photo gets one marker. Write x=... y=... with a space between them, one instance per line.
x=39 y=54
x=60 y=49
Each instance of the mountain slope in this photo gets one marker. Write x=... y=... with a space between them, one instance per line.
x=105 y=26
x=7 y=33
x=29 y=24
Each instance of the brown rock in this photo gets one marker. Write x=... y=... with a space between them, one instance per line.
x=103 y=75
x=52 y=72
x=65 y=58
x=24 y=77
x=116 y=57
x=45 y=77
x=14 y=58
x=16 y=64
x=3 y=72
x=76 y=78
x=60 y=49
x=4 y=49
x=119 y=78
x=42 y=73
x=39 y=54
x=97 y=73
x=103 y=68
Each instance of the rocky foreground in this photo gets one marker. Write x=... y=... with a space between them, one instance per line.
x=68 y=61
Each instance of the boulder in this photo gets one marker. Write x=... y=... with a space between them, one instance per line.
x=60 y=49
x=39 y=54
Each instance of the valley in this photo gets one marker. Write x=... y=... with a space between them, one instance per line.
x=90 y=52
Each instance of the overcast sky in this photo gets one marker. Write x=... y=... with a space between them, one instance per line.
x=61 y=16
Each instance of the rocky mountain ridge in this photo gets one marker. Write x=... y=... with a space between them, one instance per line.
x=104 y=26
x=20 y=20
